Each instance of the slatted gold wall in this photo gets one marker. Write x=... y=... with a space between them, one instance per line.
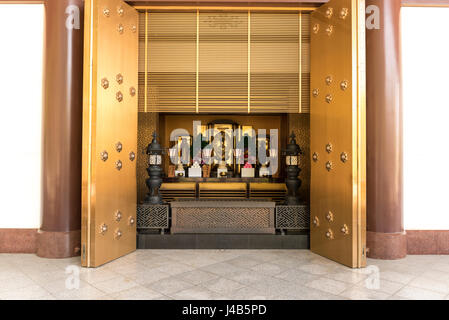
x=171 y=51
x=305 y=63
x=274 y=62
x=224 y=62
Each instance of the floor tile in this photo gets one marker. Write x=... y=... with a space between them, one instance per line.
x=222 y=285
x=169 y=286
x=225 y=255
x=246 y=277
x=197 y=293
x=200 y=261
x=197 y=276
x=114 y=285
x=15 y=283
x=10 y=273
x=296 y=276
x=248 y=293
x=307 y=293
x=270 y=269
x=385 y=286
x=156 y=262
x=263 y=255
x=395 y=298
x=347 y=276
x=315 y=269
x=174 y=269
x=83 y=293
x=148 y=276
x=436 y=275
x=274 y=286
x=430 y=284
x=129 y=269
x=323 y=261
x=395 y=276
x=224 y=274
x=283 y=297
x=244 y=262
x=137 y=293
x=222 y=268
x=93 y=276
x=413 y=293
x=45 y=297
x=61 y=285
x=413 y=270
x=356 y=293
x=328 y=285
x=291 y=261
x=104 y=297
x=440 y=266
x=302 y=253
x=25 y=293
x=48 y=276
x=163 y=297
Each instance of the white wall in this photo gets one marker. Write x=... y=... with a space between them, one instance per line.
x=425 y=53
x=21 y=45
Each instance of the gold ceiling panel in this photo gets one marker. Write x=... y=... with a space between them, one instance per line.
x=227 y=61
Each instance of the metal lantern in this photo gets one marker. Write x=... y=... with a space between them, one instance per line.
x=292 y=159
x=154 y=152
x=155 y=159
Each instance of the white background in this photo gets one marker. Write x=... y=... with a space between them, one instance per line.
x=425 y=53
x=21 y=45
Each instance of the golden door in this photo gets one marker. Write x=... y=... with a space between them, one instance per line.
x=337 y=121
x=109 y=131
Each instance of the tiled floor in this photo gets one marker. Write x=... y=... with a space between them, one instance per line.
x=223 y=274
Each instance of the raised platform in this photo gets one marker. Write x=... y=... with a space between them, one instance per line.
x=300 y=240
x=225 y=179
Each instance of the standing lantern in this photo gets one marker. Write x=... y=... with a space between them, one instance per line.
x=154 y=152
x=292 y=158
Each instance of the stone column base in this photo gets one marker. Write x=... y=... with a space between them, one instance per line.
x=18 y=240
x=387 y=246
x=54 y=244
x=427 y=241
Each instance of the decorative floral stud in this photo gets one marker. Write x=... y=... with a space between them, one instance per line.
x=105 y=83
x=344 y=13
x=119 y=96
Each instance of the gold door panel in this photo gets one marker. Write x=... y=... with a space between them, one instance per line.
x=109 y=131
x=337 y=128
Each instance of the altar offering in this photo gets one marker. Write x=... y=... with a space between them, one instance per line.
x=263 y=171
x=247 y=171
x=195 y=170
x=180 y=172
x=222 y=170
